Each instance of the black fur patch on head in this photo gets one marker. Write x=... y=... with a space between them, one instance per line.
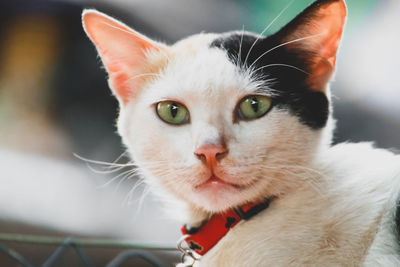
x=288 y=69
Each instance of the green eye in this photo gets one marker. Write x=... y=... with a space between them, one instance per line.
x=172 y=112
x=253 y=107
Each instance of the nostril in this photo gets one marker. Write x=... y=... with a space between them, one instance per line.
x=221 y=154
x=200 y=156
x=211 y=153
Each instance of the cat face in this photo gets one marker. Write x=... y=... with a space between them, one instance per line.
x=219 y=120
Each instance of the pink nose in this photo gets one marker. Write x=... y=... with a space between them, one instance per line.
x=210 y=154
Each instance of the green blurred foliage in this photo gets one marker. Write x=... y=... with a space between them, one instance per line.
x=262 y=12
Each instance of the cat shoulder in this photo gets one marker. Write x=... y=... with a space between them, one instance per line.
x=362 y=158
x=371 y=171
x=372 y=176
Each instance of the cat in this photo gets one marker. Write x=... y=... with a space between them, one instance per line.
x=223 y=124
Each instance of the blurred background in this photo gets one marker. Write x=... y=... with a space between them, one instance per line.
x=54 y=102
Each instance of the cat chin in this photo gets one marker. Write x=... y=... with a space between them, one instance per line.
x=216 y=194
x=216 y=202
x=219 y=197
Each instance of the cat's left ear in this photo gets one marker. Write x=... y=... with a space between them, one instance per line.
x=122 y=50
x=315 y=35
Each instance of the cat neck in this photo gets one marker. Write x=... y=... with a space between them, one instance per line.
x=307 y=178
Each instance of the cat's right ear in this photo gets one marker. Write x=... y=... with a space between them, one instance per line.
x=122 y=50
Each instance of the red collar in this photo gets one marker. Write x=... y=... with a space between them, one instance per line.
x=205 y=237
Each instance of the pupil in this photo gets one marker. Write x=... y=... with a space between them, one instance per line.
x=174 y=110
x=254 y=104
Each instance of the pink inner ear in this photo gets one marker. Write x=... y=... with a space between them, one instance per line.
x=333 y=18
x=120 y=86
x=325 y=21
x=122 y=51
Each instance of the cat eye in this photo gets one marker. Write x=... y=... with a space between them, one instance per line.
x=172 y=112
x=253 y=107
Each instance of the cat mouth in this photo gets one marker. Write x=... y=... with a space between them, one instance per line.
x=215 y=182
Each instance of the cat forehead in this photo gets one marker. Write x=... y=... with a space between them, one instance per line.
x=201 y=40
x=194 y=43
x=196 y=64
x=225 y=43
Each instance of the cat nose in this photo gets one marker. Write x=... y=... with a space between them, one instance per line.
x=210 y=154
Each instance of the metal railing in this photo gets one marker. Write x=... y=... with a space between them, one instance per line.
x=130 y=250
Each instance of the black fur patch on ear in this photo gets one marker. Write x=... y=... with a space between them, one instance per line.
x=287 y=68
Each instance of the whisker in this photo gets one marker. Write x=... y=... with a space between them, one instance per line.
x=280 y=64
x=116 y=178
x=126 y=177
x=266 y=29
x=123 y=154
x=145 y=192
x=120 y=29
x=240 y=48
x=283 y=44
x=103 y=162
x=142 y=75
x=108 y=170
x=129 y=195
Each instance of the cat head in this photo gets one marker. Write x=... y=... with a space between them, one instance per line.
x=219 y=120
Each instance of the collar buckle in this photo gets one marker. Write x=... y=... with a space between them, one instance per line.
x=188 y=257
